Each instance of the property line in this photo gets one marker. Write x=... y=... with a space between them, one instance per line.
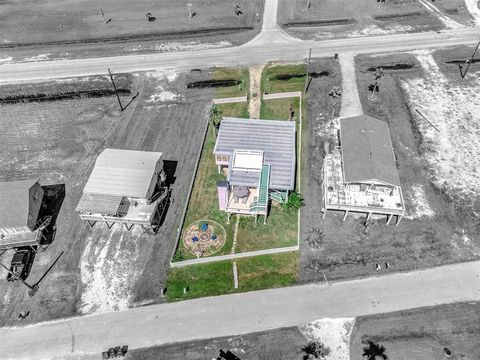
x=182 y=220
x=230 y=100
x=178 y=264
x=235 y=275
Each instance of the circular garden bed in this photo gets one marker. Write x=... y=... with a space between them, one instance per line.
x=204 y=238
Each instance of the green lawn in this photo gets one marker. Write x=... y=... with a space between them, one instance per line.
x=232 y=73
x=234 y=110
x=267 y=271
x=203 y=203
x=279 y=231
x=202 y=280
x=272 y=85
x=279 y=109
x=255 y=273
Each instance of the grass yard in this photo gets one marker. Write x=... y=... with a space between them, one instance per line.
x=421 y=334
x=279 y=231
x=271 y=84
x=267 y=271
x=234 y=110
x=28 y=21
x=232 y=73
x=202 y=280
x=203 y=203
x=255 y=273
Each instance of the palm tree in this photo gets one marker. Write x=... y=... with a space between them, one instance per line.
x=315 y=350
x=374 y=351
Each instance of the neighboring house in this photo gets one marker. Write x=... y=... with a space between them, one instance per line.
x=259 y=159
x=126 y=187
x=361 y=174
x=21 y=219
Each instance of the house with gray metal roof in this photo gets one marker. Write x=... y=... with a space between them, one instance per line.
x=361 y=174
x=259 y=158
x=21 y=219
x=125 y=186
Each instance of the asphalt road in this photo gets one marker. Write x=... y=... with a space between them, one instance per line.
x=242 y=313
x=270 y=45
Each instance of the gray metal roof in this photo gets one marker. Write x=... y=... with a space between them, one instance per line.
x=99 y=204
x=367 y=150
x=123 y=173
x=14 y=202
x=276 y=138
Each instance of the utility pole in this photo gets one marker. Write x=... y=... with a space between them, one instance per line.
x=307 y=80
x=468 y=62
x=116 y=91
x=103 y=16
x=309 y=3
x=189 y=7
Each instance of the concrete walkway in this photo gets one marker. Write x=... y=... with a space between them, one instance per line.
x=234 y=256
x=255 y=93
x=242 y=313
x=351 y=105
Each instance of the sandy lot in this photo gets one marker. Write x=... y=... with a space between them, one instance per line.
x=343 y=18
x=442 y=218
x=29 y=21
x=421 y=334
x=58 y=141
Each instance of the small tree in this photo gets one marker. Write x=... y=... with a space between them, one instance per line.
x=178 y=256
x=294 y=202
x=315 y=350
x=215 y=118
x=374 y=351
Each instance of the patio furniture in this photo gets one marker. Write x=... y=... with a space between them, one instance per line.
x=204 y=227
x=240 y=191
x=214 y=237
x=194 y=239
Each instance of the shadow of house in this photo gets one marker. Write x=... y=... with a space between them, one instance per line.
x=52 y=203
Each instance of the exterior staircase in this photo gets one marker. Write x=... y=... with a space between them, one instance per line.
x=278 y=196
x=260 y=205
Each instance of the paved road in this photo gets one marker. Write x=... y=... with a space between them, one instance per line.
x=242 y=313
x=268 y=46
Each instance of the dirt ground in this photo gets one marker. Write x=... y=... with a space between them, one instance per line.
x=278 y=344
x=422 y=334
x=58 y=141
x=442 y=221
x=76 y=29
x=344 y=18
x=30 y=21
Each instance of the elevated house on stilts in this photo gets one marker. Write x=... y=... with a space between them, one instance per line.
x=361 y=174
x=259 y=159
x=126 y=187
